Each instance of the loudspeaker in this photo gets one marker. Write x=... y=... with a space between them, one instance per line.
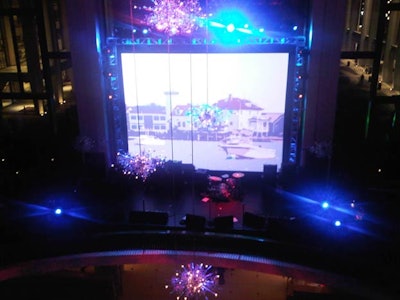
x=96 y=164
x=223 y=223
x=194 y=222
x=287 y=229
x=270 y=174
x=148 y=218
x=254 y=221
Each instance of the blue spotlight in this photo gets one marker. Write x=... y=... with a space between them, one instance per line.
x=245 y=30
x=58 y=211
x=216 y=24
x=338 y=223
x=325 y=205
x=145 y=31
x=230 y=28
x=295 y=27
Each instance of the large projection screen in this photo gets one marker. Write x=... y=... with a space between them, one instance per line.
x=217 y=111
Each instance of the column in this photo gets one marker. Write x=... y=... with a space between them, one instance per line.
x=85 y=21
x=328 y=19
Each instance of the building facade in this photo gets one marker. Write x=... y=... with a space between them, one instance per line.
x=373 y=25
x=35 y=64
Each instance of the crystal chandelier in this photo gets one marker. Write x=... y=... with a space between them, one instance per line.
x=209 y=116
x=139 y=166
x=194 y=281
x=175 y=16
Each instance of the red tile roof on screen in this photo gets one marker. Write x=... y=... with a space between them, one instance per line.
x=233 y=103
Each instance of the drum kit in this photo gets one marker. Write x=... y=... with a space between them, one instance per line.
x=225 y=188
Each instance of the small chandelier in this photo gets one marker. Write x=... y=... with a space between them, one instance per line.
x=194 y=281
x=175 y=16
x=139 y=166
x=209 y=116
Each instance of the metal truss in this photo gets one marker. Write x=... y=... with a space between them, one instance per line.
x=299 y=41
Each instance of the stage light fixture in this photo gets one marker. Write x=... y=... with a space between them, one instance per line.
x=58 y=211
x=325 y=205
x=338 y=223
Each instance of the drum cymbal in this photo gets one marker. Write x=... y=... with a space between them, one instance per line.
x=237 y=175
x=215 y=178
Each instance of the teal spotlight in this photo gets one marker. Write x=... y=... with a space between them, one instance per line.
x=230 y=28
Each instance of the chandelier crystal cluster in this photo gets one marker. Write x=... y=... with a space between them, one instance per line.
x=139 y=166
x=194 y=281
x=209 y=116
x=175 y=16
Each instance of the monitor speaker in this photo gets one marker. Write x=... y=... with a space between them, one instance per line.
x=254 y=221
x=223 y=223
x=96 y=164
x=270 y=174
x=194 y=222
x=148 y=218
